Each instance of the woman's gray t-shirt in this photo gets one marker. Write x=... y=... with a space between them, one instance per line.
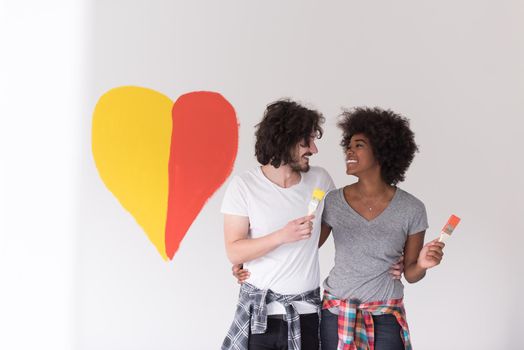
x=365 y=250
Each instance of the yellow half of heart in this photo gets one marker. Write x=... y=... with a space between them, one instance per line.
x=131 y=140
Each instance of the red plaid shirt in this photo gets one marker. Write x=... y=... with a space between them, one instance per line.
x=355 y=321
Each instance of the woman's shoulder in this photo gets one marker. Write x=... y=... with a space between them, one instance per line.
x=409 y=199
x=334 y=195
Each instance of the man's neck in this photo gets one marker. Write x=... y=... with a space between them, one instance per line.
x=282 y=176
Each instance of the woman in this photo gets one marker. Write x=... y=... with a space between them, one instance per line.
x=373 y=224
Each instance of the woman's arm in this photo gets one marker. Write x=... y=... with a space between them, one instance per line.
x=418 y=258
x=325 y=230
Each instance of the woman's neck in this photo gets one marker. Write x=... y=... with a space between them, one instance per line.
x=372 y=187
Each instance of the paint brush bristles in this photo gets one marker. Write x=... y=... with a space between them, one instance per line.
x=316 y=198
x=448 y=228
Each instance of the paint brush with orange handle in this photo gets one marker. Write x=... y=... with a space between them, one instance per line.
x=449 y=227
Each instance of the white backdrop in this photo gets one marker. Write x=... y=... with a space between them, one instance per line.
x=77 y=272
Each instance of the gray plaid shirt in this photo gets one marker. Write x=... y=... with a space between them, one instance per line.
x=252 y=311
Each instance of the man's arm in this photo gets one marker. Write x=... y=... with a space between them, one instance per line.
x=240 y=248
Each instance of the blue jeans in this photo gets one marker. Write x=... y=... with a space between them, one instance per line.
x=275 y=337
x=387 y=332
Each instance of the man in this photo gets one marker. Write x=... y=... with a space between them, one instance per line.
x=265 y=228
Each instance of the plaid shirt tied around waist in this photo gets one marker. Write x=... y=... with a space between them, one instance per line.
x=251 y=313
x=355 y=321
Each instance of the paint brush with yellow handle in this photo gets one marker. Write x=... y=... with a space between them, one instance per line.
x=316 y=198
x=448 y=228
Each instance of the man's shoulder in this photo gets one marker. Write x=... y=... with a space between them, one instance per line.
x=320 y=178
x=247 y=175
x=318 y=171
x=239 y=189
x=246 y=179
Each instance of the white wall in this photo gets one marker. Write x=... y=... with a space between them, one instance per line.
x=41 y=70
x=454 y=68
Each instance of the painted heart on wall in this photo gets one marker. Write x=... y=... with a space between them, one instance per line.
x=163 y=160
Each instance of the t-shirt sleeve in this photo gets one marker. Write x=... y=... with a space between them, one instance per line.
x=419 y=219
x=330 y=184
x=327 y=213
x=235 y=198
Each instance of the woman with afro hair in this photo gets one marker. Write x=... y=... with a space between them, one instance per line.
x=374 y=223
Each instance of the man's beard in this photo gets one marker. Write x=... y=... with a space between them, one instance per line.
x=297 y=166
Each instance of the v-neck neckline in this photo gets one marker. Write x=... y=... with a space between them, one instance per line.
x=387 y=208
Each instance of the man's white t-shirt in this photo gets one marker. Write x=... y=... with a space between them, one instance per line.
x=291 y=268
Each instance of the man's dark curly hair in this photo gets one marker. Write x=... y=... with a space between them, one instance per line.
x=392 y=141
x=285 y=123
